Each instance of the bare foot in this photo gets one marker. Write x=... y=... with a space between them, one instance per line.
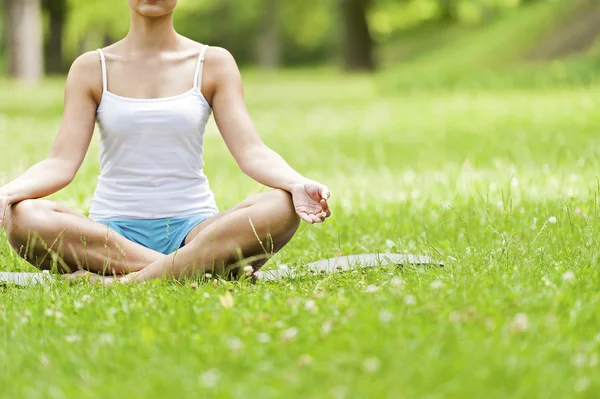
x=92 y=278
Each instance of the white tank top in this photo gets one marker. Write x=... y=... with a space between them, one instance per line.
x=151 y=150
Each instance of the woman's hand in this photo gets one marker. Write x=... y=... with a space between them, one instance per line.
x=4 y=204
x=310 y=200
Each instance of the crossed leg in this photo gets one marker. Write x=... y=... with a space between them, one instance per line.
x=48 y=234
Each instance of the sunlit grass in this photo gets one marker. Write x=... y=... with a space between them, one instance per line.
x=500 y=185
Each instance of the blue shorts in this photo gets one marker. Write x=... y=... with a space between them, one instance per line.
x=162 y=235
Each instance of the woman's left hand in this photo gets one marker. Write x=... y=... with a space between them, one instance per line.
x=310 y=201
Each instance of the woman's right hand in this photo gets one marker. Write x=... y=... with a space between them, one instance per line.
x=4 y=204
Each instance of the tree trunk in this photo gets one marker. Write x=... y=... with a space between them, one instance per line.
x=57 y=12
x=447 y=10
x=267 y=46
x=25 y=50
x=358 y=44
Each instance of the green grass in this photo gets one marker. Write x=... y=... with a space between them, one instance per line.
x=471 y=177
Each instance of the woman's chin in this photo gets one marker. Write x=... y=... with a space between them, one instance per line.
x=151 y=10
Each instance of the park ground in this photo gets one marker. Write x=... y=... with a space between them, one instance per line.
x=499 y=184
x=494 y=172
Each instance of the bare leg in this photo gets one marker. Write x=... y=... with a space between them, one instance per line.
x=253 y=230
x=46 y=233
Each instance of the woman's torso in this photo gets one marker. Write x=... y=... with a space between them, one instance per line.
x=151 y=144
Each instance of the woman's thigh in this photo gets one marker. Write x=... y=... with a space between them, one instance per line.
x=49 y=234
x=244 y=204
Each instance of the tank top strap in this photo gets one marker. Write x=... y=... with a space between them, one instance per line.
x=199 y=68
x=103 y=62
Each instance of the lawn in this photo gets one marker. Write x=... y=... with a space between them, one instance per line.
x=501 y=185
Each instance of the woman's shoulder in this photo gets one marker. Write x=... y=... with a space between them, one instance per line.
x=86 y=71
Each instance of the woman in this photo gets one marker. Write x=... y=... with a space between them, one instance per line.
x=153 y=214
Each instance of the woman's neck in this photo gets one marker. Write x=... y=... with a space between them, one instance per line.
x=150 y=34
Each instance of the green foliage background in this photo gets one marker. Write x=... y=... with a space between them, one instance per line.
x=310 y=30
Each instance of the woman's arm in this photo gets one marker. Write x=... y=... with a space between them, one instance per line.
x=71 y=143
x=250 y=152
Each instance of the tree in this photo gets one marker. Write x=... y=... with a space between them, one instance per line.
x=267 y=44
x=24 y=39
x=447 y=10
x=358 y=45
x=53 y=47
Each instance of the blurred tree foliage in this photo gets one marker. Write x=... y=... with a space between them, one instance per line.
x=269 y=33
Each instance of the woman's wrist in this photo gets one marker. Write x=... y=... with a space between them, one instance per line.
x=5 y=196
x=298 y=183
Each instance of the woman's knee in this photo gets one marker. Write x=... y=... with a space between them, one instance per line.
x=286 y=210
x=25 y=216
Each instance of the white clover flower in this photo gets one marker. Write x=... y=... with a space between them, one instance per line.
x=579 y=360
x=72 y=338
x=235 y=344
x=106 y=338
x=305 y=360
x=210 y=378
x=326 y=328
x=371 y=289
x=500 y=206
x=397 y=282
x=385 y=316
x=371 y=365
x=582 y=384
x=552 y=220
x=289 y=334
x=311 y=306
x=436 y=284
x=410 y=300
x=263 y=338
x=568 y=276
x=520 y=323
